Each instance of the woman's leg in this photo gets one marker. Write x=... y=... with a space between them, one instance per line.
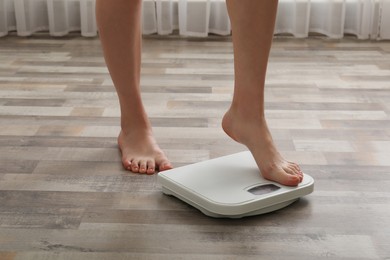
x=253 y=26
x=120 y=34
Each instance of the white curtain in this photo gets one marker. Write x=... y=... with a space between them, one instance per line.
x=367 y=19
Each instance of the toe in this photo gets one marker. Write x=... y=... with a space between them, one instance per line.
x=135 y=166
x=292 y=170
x=289 y=170
x=126 y=164
x=293 y=166
x=296 y=166
x=289 y=179
x=166 y=165
x=163 y=163
x=284 y=177
x=151 y=167
x=142 y=166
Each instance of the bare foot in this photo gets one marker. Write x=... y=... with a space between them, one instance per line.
x=141 y=154
x=254 y=134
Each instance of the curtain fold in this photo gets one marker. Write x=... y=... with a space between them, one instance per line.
x=367 y=19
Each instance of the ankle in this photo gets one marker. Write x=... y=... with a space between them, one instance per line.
x=135 y=122
x=241 y=126
x=136 y=128
x=247 y=112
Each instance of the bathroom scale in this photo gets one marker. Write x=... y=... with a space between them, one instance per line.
x=230 y=187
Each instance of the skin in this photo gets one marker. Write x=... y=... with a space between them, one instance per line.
x=252 y=26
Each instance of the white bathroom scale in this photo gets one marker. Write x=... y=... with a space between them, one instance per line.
x=230 y=187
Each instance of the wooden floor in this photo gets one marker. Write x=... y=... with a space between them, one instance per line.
x=64 y=194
